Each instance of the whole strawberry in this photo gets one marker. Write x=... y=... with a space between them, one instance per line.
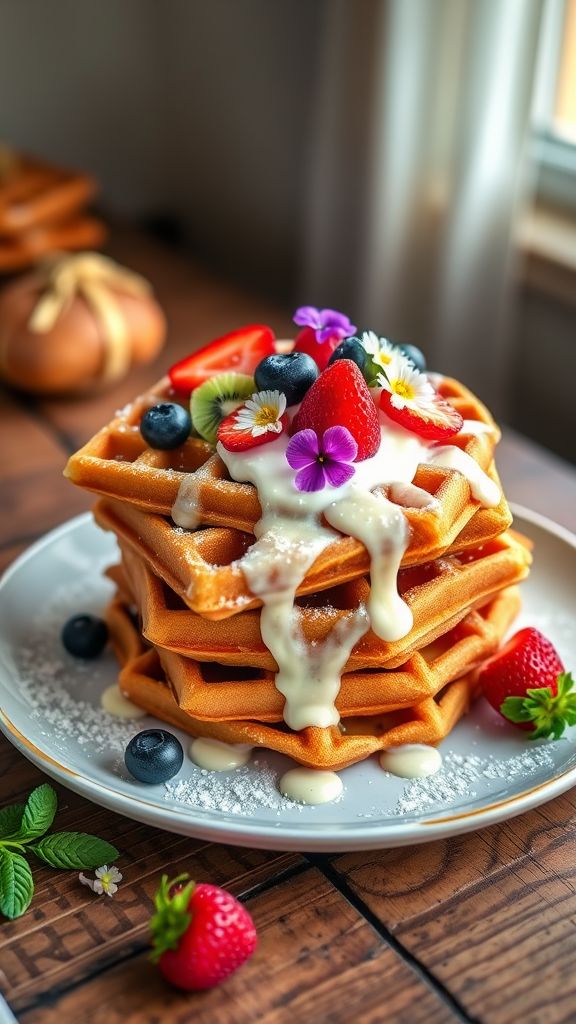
x=200 y=933
x=526 y=683
x=340 y=397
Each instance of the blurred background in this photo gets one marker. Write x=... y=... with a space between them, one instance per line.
x=410 y=162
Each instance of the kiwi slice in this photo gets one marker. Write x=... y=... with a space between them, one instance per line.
x=216 y=398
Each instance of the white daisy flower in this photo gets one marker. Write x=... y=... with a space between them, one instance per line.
x=262 y=413
x=380 y=350
x=105 y=882
x=407 y=386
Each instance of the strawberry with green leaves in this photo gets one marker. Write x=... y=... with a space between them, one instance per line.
x=526 y=683
x=201 y=933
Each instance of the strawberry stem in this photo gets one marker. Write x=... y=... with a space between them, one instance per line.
x=172 y=917
x=549 y=714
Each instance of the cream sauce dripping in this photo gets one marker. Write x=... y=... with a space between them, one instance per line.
x=289 y=538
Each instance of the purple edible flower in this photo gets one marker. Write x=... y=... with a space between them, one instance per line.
x=327 y=323
x=322 y=461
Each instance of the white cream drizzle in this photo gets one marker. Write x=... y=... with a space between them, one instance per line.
x=383 y=529
x=310 y=786
x=482 y=488
x=215 y=756
x=115 y=703
x=290 y=537
x=411 y=760
x=185 y=508
x=476 y=428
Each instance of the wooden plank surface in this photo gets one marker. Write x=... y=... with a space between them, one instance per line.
x=317 y=960
x=478 y=928
x=490 y=915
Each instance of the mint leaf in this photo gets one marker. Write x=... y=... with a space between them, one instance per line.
x=74 y=850
x=10 y=819
x=39 y=813
x=16 y=884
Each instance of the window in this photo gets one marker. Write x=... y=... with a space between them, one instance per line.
x=554 y=110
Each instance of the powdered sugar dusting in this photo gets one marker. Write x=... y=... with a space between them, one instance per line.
x=459 y=780
x=59 y=689
x=242 y=792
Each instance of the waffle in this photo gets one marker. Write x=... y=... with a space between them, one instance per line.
x=204 y=567
x=439 y=595
x=117 y=463
x=198 y=660
x=428 y=720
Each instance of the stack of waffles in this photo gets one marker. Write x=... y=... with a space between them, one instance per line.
x=42 y=210
x=188 y=618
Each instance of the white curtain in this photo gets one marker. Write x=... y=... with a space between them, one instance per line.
x=418 y=174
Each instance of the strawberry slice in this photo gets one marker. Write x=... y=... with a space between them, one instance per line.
x=526 y=683
x=239 y=351
x=261 y=419
x=435 y=420
x=340 y=397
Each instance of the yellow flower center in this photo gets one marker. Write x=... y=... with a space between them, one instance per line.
x=265 y=415
x=401 y=388
x=383 y=358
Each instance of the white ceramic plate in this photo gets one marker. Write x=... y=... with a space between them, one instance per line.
x=50 y=711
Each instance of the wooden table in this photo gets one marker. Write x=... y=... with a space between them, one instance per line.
x=479 y=928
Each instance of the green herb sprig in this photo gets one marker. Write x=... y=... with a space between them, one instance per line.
x=22 y=831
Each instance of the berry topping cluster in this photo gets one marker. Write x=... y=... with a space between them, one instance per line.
x=244 y=394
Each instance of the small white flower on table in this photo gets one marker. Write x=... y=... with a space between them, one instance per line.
x=105 y=882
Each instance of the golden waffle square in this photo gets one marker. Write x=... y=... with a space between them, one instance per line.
x=215 y=692
x=439 y=595
x=203 y=567
x=117 y=463
x=428 y=721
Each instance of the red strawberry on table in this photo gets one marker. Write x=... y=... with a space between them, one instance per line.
x=239 y=352
x=201 y=933
x=340 y=397
x=526 y=683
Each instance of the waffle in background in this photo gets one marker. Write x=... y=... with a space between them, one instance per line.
x=43 y=209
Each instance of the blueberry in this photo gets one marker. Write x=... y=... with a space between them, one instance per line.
x=85 y=636
x=414 y=355
x=166 y=425
x=350 y=348
x=292 y=374
x=154 y=756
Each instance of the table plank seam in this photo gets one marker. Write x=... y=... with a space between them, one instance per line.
x=493 y=877
x=140 y=946
x=322 y=864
